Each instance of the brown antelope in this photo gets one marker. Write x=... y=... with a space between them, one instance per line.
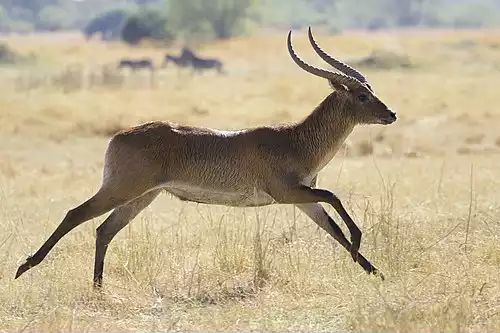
x=247 y=168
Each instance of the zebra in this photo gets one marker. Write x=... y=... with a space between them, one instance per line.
x=184 y=60
x=178 y=61
x=189 y=58
x=199 y=64
x=136 y=64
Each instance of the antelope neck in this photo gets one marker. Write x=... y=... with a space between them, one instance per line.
x=322 y=133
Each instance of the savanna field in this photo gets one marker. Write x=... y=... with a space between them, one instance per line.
x=423 y=190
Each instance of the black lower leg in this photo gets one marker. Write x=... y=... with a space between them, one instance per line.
x=115 y=222
x=362 y=261
x=73 y=218
x=99 y=264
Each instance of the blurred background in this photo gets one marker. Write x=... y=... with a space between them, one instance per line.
x=168 y=19
x=423 y=190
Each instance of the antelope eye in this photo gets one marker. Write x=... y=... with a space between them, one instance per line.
x=362 y=97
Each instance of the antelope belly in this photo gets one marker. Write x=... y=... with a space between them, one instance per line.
x=187 y=192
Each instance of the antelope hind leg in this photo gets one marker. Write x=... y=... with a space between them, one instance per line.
x=115 y=222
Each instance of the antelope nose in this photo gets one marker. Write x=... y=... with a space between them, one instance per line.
x=393 y=114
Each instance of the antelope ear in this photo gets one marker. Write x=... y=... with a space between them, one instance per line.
x=337 y=86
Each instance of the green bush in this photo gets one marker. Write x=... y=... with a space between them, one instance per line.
x=205 y=19
x=52 y=18
x=109 y=24
x=148 y=23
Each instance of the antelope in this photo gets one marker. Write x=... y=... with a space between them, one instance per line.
x=247 y=168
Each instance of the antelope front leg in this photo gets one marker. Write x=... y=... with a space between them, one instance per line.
x=318 y=214
x=304 y=194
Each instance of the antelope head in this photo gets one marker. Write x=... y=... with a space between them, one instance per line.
x=352 y=87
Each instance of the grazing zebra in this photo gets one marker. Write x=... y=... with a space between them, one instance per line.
x=200 y=64
x=188 y=58
x=184 y=60
x=178 y=61
x=136 y=64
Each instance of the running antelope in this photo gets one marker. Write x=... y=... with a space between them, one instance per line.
x=247 y=168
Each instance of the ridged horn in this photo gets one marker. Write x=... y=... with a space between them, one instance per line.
x=341 y=66
x=340 y=78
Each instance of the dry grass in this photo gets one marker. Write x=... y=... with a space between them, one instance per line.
x=430 y=223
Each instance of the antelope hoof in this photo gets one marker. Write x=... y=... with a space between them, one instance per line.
x=378 y=273
x=24 y=267
x=97 y=286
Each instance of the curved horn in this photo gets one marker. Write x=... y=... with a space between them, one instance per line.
x=348 y=81
x=341 y=66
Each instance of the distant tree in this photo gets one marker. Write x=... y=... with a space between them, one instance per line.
x=220 y=18
x=108 y=24
x=144 y=2
x=34 y=6
x=134 y=30
x=148 y=23
x=205 y=19
x=406 y=11
x=52 y=18
x=473 y=15
x=377 y=14
x=4 y=19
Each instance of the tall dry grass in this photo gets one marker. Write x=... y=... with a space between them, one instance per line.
x=424 y=192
